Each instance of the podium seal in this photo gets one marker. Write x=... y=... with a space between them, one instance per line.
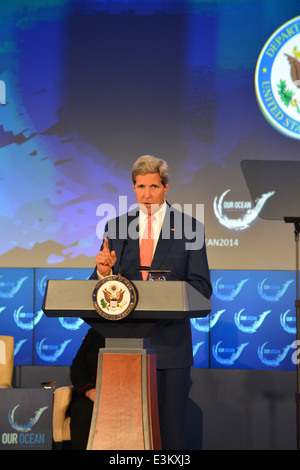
x=114 y=297
x=277 y=79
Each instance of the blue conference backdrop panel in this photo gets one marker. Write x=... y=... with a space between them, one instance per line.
x=17 y=310
x=38 y=340
x=252 y=324
x=56 y=340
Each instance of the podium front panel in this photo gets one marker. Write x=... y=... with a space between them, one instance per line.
x=156 y=300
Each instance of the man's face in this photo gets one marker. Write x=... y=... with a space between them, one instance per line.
x=150 y=192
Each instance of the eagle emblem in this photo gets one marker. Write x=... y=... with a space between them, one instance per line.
x=114 y=297
x=288 y=97
x=295 y=66
x=277 y=79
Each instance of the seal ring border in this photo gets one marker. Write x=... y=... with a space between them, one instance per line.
x=262 y=107
x=133 y=297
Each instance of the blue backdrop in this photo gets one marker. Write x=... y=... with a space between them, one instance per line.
x=88 y=86
x=252 y=324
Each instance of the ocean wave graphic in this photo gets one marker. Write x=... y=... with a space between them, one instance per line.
x=254 y=326
x=229 y=361
x=245 y=221
x=231 y=295
x=51 y=357
x=27 y=426
x=276 y=297
x=29 y=324
x=277 y=360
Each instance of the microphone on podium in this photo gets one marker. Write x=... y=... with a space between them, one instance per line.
x=167 y=272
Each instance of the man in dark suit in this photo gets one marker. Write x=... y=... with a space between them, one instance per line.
x=178 y=245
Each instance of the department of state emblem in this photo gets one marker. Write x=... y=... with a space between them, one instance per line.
x=277 y=79
x=114 y=297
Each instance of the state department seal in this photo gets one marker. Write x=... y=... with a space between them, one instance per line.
x=277 y=79
x=114 y=297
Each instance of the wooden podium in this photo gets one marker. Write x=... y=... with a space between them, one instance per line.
x=125 y=414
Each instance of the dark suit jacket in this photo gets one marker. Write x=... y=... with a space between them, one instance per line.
x=170 y=338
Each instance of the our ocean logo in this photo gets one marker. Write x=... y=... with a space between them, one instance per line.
x=24 y=434
x=227 y=356
x=26 y=320
x=277 y=83
x=227 y=291
x=272 y=292
x=249 y=323
x=272 y=357
x=27 y=426
x=223 y=209
x=51 y=352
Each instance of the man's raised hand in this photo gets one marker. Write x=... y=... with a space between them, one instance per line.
x=106 y=259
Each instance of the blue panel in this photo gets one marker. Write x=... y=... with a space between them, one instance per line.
x=253 y=321
x=200 y=337
x=56 y=340
x=252 y=324
x=16 y=310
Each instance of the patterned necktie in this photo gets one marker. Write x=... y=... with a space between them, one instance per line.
x=146 y=247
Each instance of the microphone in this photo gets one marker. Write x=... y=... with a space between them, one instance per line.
x=156 y=271
x=125 y=243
